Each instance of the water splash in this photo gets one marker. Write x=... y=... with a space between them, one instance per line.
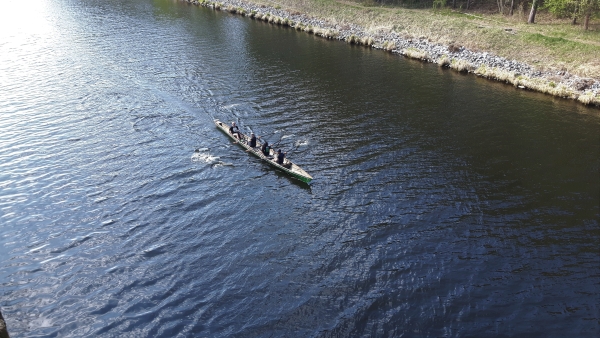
x=203 y=155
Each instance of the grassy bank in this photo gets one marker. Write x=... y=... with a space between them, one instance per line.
x=557 y=58
x=549 y=45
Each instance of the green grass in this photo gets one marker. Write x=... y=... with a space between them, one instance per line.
x=568 y=49
x=552 y=42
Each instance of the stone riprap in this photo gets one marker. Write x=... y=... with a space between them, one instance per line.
x=519 y=74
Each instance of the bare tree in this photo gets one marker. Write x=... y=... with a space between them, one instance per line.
x=588 y=8
x=534 y=7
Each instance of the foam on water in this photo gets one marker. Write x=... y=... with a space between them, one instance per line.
x=202 y=155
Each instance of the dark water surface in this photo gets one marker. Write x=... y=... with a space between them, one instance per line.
x=443 y=205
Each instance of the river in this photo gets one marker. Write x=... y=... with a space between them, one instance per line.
x=443 y=205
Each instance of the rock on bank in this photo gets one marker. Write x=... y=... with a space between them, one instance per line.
x=518 y=74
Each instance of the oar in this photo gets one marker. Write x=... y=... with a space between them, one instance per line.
x=276 y=143
x=271 y=134
x=293 y=149
x=242 y=136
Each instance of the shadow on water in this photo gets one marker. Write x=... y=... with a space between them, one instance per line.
x=297 y=183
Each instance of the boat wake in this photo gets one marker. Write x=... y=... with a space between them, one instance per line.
x=230 y=106
x=202 y=155
x=221 y=164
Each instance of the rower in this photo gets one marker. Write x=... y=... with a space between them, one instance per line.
x=235 y=130
x=280 y=157
x=252 y=143
x=265 y=148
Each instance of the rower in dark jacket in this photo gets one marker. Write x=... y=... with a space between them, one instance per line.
x=265 y=148
x=252 y=140
x=280 y=156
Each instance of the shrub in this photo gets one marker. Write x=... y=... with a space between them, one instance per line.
x=367 y=41
x=352 y=39
x=415 y=53
x=543 y=86
x=444 y=61
x=332 y=34
x=461 y=65
x=452 y=48
x=439 y=4
x=589 y=98
x=389 y=46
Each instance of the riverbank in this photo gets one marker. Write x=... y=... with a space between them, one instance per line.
x=554 y=81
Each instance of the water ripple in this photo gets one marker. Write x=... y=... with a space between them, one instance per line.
x=434 y=212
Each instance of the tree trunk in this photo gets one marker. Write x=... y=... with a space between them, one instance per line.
x=533 y=11
x=575 y=13
x=453 y=3
x=512 y=7
x=468 y=4
x=586 y=22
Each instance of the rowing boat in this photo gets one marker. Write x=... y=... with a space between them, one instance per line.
x=288 y=166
